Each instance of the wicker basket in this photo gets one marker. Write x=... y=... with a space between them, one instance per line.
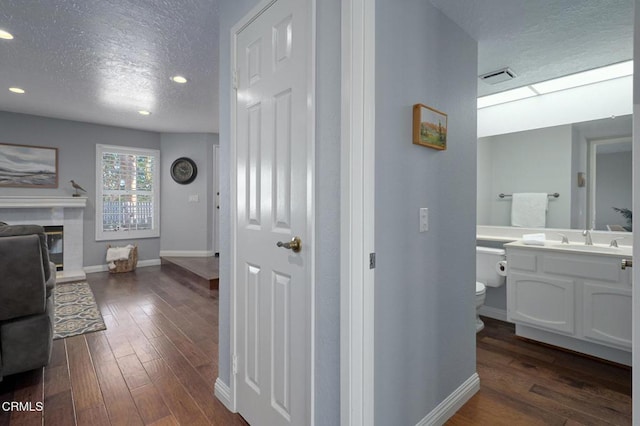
x=127 y=265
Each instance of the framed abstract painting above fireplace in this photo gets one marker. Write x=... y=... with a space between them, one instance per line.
x=28 y=166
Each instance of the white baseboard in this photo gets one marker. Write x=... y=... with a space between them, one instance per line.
x=223 y=393
x=452 y=403
x=104 y=268
x=186 y=253
x=495 y=313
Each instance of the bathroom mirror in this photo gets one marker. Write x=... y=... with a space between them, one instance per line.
x=588 y=164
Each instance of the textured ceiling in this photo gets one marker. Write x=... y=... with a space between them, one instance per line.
x=101 y=61
x=543 y=39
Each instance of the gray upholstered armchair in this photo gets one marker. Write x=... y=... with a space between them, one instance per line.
x=27 y=280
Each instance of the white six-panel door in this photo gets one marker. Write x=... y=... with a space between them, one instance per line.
x=273 y=184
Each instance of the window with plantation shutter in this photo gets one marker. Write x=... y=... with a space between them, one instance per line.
x=127 y=193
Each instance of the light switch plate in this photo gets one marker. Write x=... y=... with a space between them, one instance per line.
x=424 y=219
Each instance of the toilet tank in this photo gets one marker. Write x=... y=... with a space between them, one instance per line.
x=486 y=260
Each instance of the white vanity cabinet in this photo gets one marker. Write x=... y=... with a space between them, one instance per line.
x=577 y=299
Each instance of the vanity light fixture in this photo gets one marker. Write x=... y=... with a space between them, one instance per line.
x=144 y=112
x=6 y=35
x=178 y=79
x=16 y=90
x=610 y=72
x=506 y=96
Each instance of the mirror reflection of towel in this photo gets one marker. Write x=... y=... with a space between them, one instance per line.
x=529 y=209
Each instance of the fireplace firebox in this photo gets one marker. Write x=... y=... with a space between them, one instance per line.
x=55 y=240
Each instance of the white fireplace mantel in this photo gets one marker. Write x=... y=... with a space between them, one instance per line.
x=25 y=202
x=52 y=210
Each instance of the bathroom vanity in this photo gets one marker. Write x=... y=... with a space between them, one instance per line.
x=573 y=296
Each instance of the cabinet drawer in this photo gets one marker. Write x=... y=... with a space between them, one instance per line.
x=522 y=261
x=593 y=267
x=542 y=302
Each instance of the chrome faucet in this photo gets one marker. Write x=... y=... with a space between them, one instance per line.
x=587 y=237
x=565 y=240
x=614 y=242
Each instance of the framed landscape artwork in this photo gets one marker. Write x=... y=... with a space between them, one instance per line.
x=429 y=127
x=28 y=166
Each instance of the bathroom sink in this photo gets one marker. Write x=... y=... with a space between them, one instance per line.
x=596 y=248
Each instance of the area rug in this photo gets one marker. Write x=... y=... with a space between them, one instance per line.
x=76 y=311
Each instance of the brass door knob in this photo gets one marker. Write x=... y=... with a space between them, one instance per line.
x=294 y=245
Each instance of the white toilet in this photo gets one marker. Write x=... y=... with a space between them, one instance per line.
x=489 y=273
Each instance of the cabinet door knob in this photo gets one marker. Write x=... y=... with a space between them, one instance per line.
x=626 y=263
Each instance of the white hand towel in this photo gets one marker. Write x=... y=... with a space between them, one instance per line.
x=533 y=239
x=529 y=209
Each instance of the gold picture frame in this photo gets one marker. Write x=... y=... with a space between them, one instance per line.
x=429 y=127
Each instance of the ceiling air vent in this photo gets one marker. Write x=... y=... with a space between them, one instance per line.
x=498 y=76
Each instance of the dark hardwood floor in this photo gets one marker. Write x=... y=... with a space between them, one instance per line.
x=156 y=363
x=525 y=383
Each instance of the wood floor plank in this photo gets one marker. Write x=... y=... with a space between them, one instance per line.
x=84 y=382
x=93 y=416
x=118 y=401
x=119 y=342
x=605 y=410
x=29 y=392
x=201 y=391
x=151 y=406
x=166 y=421
x=175 y=396
x=133 y=372
x=539 y=381
x=59 y=409
x=120 y=405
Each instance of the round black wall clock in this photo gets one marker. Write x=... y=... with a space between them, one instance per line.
x=184 y=170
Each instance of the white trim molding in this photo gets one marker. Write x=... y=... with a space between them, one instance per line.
x=27 y=202
x=186 y=253
x=452 y=403
x=357 y=204
x=103 y=268
x=223 y=392
x=495 y=313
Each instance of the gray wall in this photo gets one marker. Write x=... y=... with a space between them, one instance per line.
x=531 y=161
x=76 y=143
x=424 y=309
x=613 y=188
x=485 y=190
x=327 y=356
x=187 y=226
x=578 y=194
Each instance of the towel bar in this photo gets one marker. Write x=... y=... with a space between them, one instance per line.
x=554 y=195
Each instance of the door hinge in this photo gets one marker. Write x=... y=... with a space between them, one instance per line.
x=234 y=366
x=235 y=78
x=372 y=260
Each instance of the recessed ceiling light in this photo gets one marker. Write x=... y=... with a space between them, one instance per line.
x=144 y=112
x=178 y=79
x=16 y=90
x=5 y=35
x=507 y=96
